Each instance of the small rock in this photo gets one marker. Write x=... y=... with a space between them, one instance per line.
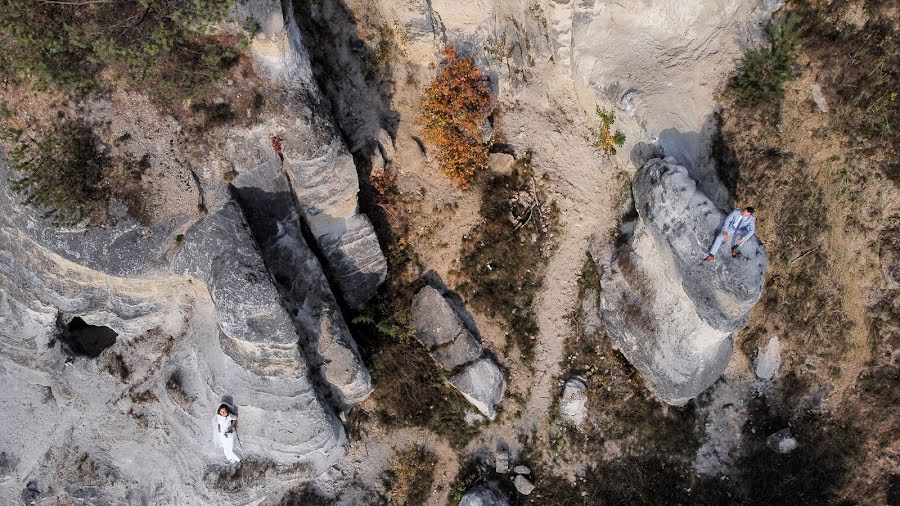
x=574 y=401
x=436 y=322
x=501 y=461
x=768 y=359
x=522 y=470
x=819 y=98
x=501 y=163
x=522 y=484
x=782 y=442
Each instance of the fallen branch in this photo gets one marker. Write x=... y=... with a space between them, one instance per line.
x=807 y=252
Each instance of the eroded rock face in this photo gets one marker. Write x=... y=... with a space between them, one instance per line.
x=669 y=312
x=303 y=140
x=452 y=345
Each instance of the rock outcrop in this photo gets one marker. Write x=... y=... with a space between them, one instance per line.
x=302 y=139
x=670 y=313
x=453 y=346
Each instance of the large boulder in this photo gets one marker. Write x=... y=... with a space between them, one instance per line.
x=669 y=312
x=440 y=329
x=486 y=494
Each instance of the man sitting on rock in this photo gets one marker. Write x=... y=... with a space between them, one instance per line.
x=742 y=224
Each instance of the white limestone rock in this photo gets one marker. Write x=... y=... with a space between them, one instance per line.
x=768 y=359
x=670 y=313
x=573 y=406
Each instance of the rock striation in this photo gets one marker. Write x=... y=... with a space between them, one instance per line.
x=670 y=313
x=454 y=347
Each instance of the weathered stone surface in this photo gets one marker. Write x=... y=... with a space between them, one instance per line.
x=768 y=359
x=461 y=350
x=782 y=442
x=670 y=313
x=434 y=319
x=573 y=406
x=264 y=194
x=486 y=494
x=501 y=163
x=320 y=167
x=523 y=485
x=482 y=384
x=522 y=470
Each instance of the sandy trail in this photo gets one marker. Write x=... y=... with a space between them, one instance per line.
x=546 y=120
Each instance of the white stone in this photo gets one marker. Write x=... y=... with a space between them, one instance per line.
x=818 y=97
x=573 y=406
x=522 y=470
x=482 y=384
x=768 y=359
x=523 y=486
x=782 y=442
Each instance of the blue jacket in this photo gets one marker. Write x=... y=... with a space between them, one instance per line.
x=740 y=226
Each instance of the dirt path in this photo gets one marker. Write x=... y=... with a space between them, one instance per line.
x=546 y=120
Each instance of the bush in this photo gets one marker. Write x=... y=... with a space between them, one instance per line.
x=455 y=109
x=607 y=141
x=161 y=46
x=59 y=172
x=764 y=71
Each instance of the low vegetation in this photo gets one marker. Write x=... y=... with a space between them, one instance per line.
x=411 y=476
x=764 y=71
x=607 y=139
x=503 y=259
x=161 y=47
x=455 y=111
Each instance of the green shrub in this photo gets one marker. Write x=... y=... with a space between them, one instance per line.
x=765 y=70
x=162 y=47
x=607 y=140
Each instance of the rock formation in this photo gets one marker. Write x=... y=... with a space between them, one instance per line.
x=221 y=296
x=452 y=345
x=669 y=312
x=486 y=494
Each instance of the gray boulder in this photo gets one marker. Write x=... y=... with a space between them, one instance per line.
x=768 y=359
x=482 y=384
x=670 y=313
x=486 y=494
x=435 y=321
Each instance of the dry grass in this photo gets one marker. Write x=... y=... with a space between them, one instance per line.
x=411 y=476
x=503 y=258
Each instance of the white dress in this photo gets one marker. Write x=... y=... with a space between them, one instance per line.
x=228 y=441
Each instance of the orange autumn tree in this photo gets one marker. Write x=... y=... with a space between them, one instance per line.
x=455 y=108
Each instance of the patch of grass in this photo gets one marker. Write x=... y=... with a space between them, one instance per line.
x=764 y=71
x=411 y=476
x=455 y=108
x=503 y=259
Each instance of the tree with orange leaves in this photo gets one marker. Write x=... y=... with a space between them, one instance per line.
x=454 y=110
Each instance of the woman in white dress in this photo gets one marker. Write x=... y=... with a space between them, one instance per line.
x=226 y=433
